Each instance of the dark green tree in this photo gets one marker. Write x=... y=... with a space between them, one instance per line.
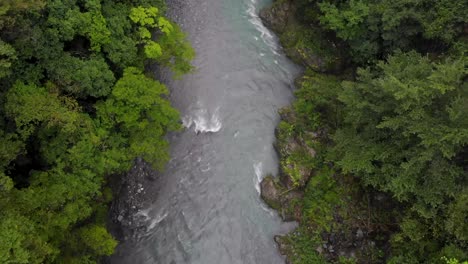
x=76 y=109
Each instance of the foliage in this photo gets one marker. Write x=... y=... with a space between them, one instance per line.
x=397 y=125
x=317 y=104
x=373 y=29
x=404 y=133
x=303 y=250
x=410 y=122
x=454 y=261
x=347 y=21
x=75 y=109
x=400 y=128
x=137 y=110
x=178 y=52
x=97 y=239
x=321 y=200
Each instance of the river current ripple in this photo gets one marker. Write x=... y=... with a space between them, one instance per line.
x=208 y=209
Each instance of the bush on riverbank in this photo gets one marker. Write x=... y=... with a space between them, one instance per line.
x=387 y=179
x=76 y=108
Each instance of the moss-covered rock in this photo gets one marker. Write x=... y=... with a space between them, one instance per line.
x=277 y=15
x=270 y=192
x=309 y=46
x=285 y=201
x=306 y=45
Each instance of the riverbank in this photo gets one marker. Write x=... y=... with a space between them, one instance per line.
x=356 y=155
x=333 y=211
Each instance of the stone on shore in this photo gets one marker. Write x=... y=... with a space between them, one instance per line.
x=270 y=192
x=277 y=15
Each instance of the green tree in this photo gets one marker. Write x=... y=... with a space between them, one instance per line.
x=76 y=108
x=419 y=105
x=404 y=132
x=178 y=52
x=374 y=29
x=140 y=112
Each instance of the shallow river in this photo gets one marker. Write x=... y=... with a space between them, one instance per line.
x=208 y=209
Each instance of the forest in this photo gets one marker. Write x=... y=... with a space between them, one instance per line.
x=77 y=105
x=374 y=151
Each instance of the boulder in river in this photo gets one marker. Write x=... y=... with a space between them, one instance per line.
x=277 y=15
x=270 y=192
x=275 y=195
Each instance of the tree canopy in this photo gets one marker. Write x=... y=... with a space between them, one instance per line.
x=76 y=108
x=389 y=130
x=373 y=29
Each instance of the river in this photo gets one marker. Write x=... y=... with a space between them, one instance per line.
x=207 y=209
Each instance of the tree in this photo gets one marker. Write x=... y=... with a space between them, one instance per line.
x=138 y=110
x=75 y=109
x=404 y=132
x=374 y=29
x=178 y=52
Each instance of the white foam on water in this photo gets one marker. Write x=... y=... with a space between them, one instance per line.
x=267 y=209
x=257 y=180
x=157 y=220
x=202 y=121
x=265 y=34
x=207 y=125
x=206 y=168
x=258 y=175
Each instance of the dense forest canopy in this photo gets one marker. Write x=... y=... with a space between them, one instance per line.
x=373 y=29
x=384 y=104
x=77 y=107
x=374 y=151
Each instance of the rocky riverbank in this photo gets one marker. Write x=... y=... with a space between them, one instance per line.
x=305 y=45
x=130 y=191
x=137 y=188
x=334 y=214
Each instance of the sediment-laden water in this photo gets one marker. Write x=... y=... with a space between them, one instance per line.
x=205 y=207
